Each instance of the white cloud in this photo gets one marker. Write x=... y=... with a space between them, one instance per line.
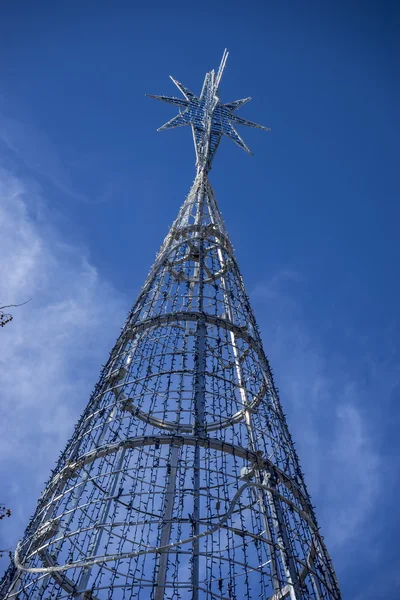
x=333 y=434
x=355 y=470
x=52 y=352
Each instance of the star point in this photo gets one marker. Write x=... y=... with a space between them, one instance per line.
x=208 y=117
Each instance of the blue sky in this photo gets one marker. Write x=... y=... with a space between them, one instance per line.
x=88 y=189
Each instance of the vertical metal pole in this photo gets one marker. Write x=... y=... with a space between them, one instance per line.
x=249 y=423
x=92 y=550
x=199 y=397
x=199 y=404
x=314 y=580
x=283 y=540
x=167 y=523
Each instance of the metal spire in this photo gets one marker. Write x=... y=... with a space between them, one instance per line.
x=208 y=117
x=181 y=480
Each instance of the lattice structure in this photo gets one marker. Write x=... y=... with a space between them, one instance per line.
x=181 y=479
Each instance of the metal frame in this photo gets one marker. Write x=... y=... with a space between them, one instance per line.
x=181 y=479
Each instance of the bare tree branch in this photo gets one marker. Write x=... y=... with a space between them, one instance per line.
x=7 y=317
x=15 y=305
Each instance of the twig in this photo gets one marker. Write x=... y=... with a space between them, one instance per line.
x=15 y=305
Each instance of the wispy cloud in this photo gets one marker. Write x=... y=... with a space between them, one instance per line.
x=51 y=353
x=326 y=410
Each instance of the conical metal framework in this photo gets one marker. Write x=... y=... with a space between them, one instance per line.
x=181 y=479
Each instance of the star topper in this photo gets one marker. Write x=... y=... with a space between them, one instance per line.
x=209 y=119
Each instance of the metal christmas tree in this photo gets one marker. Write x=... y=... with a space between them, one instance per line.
x=181 y=479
